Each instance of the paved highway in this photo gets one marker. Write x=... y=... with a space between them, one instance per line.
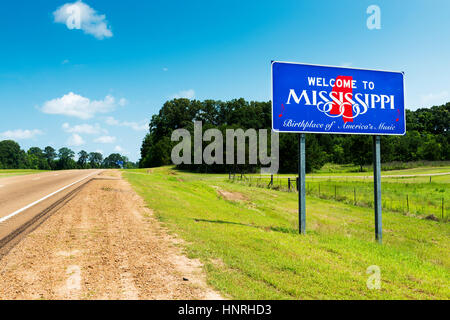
x=23 y=198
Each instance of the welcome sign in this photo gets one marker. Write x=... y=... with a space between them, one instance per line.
x=322 y=99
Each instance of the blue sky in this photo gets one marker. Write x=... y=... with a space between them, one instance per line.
x=96 y=87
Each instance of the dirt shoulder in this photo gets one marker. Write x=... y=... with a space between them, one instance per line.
x=103 y=244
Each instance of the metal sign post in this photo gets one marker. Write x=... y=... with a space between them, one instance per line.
x=377 y=187
x=302 y=185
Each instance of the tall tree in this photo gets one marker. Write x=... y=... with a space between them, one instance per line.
x=50 y=155
x=360 y=148
x=11 y=156
x=36 y=151
x=95 y=159
x=65 y=160
x=112 y=160
x=82 y=159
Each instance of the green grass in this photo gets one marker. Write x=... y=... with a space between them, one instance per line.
x=251 y=249
x=17 y=172
x=408 y=195
x=389 y=166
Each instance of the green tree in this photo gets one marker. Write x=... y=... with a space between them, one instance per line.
x=50 y=155
x=32 y=162
x=111 y=160
x=36 y=159
x=36 y=151
x=95 y=159
x=65 y=160
x=430 y=149
x=360 y=148
x=316 y=156
x=11 y=156
x=417 y=144
x=82 y=159
x=158 y=153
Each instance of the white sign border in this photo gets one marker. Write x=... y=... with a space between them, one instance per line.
x=320 y=65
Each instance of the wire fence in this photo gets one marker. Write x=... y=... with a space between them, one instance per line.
x=429 y=201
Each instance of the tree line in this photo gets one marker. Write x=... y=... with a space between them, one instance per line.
x=427 y=136
x=13 y=157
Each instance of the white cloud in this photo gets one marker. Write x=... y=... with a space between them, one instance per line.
x=74 y=105
x=78 y=15
x=123 y=102
x=20 y=134
x=121 y=150
x=105 y=139
x=136 y=126
x=188 y=94
x=66 y=61
x=84 y=128
x=75 y=140
x=434 y=99
x=112 y=122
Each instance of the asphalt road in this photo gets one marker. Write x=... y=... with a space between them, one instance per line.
x=23 y=198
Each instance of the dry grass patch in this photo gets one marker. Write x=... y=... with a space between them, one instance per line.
x=232 y=196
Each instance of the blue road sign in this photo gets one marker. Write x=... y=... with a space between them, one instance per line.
x=323 y=99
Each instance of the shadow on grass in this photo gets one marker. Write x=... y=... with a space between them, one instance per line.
x=265 y=228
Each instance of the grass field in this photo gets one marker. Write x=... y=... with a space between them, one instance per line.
x=247 y=238
x=424 y=196
x=390 y=166
x=17 y=172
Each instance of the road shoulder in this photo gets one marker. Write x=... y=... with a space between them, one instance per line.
x=103 y=244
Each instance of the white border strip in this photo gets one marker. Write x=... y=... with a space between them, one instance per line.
x=42 y=199
x=334 y=132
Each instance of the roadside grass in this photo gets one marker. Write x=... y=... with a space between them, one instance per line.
x=251 y=249
x=17 y=172
x=413 y=174
x=429 y=198
x=369 y=173
x=388 y=166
